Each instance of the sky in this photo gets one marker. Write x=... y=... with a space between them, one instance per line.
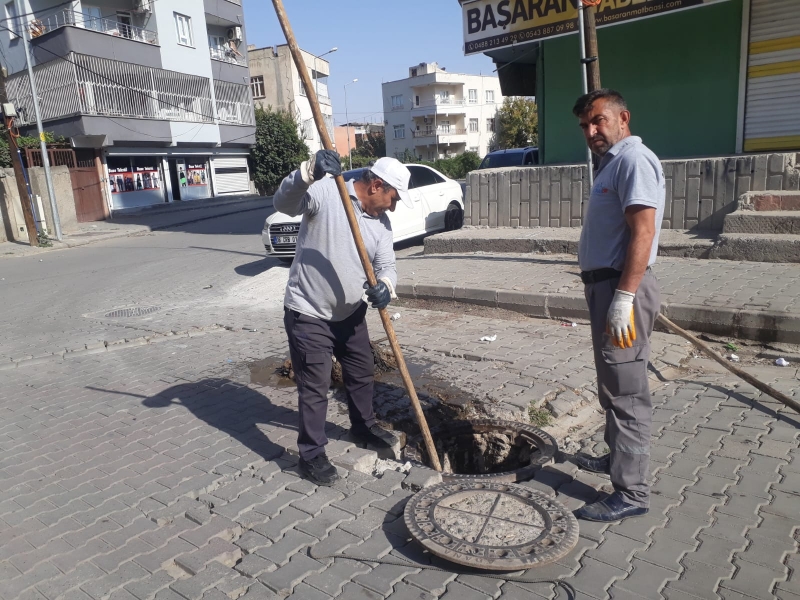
x=377 y=41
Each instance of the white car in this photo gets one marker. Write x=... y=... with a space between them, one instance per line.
x=438 y=206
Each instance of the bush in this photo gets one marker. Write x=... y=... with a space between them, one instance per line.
x=278 y=150
x=455 y=167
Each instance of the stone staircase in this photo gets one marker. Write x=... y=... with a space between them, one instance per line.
x=765 y=227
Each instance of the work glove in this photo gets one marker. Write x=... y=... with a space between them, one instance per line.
x=320 y=163
x=620 y=323
x=378 y=295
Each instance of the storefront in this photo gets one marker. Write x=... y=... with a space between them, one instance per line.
x=136 y=177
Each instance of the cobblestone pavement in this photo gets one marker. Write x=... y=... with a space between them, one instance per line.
x=713 y=283
x=161 y=471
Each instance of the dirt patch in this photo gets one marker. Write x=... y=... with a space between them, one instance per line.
x=481 y=453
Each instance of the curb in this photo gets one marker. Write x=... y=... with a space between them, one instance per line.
x=100 y=347
x=762 y=326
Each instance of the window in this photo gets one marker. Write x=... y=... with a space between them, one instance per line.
x=257 y=85
x=473 y=96
x=490 y=125
x=473 y=125
x=125 y=24
x=422 y=176
x=92 y=17
x=399 y=132
x=397 y=102
x=416 y=100
x=183 y=28
x=13 y=20
x=444 y=127
x=489 y=96
x=474 y=149
x=444 y=97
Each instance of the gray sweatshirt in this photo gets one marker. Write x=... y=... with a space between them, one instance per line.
x=326 y=280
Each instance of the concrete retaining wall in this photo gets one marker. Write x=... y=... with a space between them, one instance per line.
x=699 y=192
x=13 y=221
x=65 y=201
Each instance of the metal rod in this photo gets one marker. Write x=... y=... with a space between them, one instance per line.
x=759 y=385
x=351 y=219
x=25 y=34
x=585 y=84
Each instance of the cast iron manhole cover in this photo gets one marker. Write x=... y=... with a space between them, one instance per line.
x=488 y=525
x=133 y=311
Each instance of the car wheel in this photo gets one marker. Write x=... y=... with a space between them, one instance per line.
x=453 y=217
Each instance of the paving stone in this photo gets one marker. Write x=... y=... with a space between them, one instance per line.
x=358 y=502
x=640 y=528
x=280 y=552
x=698 y=580
x=716 y=551
x=306 y=592
x=403 y=591
x=419 y=478
x=103 y=586
x=698 y=506
x=278 y=525
x=353 y=590
x=488 y=585
x=616 y=550
x=336 y=575
x=665 y=551
x=316 y=502
x=166 y=555
x=250 y=541
x=645 y=579
x=252 y=566
x=357 y=459
x=193 y=588
x=459 y=591
x=324 y=522
x=431 y=581
x=259 y=591
x=387 y=483
x=767 y=552
x=594 y=577
x=217 y=550
x=378 y=544
x=383 y=578
x=149 y=586
x=755 y=581
x=284 y=579
x=218 y=527
x=336 y=542
x=394 y=504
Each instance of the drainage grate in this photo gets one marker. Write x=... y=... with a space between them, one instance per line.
x=133 y=311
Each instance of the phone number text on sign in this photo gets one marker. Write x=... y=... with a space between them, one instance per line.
x=517 y=37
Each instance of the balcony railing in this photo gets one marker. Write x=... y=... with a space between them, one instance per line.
x=228 y=55
x=441 y=131
x=71 y=18
x=456 y=102
x=234 y=103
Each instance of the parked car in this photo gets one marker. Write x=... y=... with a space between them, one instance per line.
x=511 y=157
x=438 y=206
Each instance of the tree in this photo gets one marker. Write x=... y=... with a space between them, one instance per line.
x=369 y=148
x=278 y=151
x=517 y=123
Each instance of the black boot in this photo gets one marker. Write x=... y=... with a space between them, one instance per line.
x=374 y=436
x=595 y=464
x=610 y=509
x=319 y=470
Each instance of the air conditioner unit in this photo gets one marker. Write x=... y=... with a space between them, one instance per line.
x=142 y=6
x=425 y=119
x=235 y=33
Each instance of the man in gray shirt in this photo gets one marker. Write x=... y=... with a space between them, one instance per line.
x=619 y=243
x=324 y=310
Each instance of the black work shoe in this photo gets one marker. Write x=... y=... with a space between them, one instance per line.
x=610 y=509
x=319 y=470
x=374 y=436
x=595 y=464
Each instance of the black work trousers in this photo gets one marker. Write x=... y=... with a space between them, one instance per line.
x=312 y=343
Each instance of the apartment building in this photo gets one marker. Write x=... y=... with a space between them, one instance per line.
x=275 y=82
x=156 y=91
x=433 y=113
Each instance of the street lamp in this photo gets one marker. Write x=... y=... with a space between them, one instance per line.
x=347 y=124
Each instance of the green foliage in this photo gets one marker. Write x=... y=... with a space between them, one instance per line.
x=5 y=153
x=455 y=167
x=539 y=417
x=53 y=141
x=369 y=148
x=278 y=151
x=517 y=123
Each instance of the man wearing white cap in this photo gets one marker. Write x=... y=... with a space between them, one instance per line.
x=324 y=309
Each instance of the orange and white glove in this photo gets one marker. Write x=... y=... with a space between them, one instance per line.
x=620 y=323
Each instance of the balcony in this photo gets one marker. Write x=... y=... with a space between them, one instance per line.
x=69 y=18
x=439 y=106
x=228 y=55
x=441 y=135
x=322 y=92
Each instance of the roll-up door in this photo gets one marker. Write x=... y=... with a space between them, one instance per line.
x=773 y=77
x=231 y=175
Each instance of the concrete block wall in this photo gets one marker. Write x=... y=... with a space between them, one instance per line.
x=699 y=192
x=65 y=200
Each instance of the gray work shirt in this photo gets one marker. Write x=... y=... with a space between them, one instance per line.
x=326 y=279
x=629 y=174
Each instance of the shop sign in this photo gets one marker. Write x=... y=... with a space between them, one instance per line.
x=492 y=24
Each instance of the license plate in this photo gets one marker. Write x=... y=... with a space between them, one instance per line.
x=284 y=239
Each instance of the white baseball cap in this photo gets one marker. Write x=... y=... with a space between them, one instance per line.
x=396 y=174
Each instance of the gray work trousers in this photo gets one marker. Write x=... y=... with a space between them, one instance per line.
x=312 y=343
x=623 y=388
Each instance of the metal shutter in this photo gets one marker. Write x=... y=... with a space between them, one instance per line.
x=773 y=77
x=231 y=175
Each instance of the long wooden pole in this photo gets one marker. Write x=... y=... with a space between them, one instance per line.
x=592 y=55
x=760 y=385
x=351 y=219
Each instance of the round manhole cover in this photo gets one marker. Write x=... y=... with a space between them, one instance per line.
x=132 y=311
x=497 y=526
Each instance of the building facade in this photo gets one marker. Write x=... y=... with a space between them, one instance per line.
x=435 y=114
x=702 y=78
x=275 y=82
x=156 y=90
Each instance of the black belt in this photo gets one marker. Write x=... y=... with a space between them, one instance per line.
x=599 y=275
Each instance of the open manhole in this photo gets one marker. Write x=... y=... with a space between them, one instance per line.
x=131 y=311
x=487 y=450
x=489 y=525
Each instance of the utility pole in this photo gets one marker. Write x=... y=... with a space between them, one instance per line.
x=591 y=60
x=22 y=188
x=25 y=34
